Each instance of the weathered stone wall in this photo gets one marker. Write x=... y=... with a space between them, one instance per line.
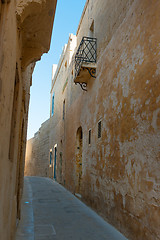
x=107 y=17
x=37 y=154
x=16 y=67
x=120 y=170
x=61 y=82
x=14 y=97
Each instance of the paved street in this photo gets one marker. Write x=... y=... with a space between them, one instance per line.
x=50 y=212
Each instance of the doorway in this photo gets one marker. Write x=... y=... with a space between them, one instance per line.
x=55 y=161
x=79 y=145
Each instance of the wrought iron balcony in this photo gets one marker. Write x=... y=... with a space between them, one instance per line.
x=85 y=61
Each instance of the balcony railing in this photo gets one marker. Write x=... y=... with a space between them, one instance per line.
x=86 y=54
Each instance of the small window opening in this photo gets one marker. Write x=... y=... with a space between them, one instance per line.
x=92 y=26
x=63 y=109
x=91 y=29
x=99 y=129
x=89 y=137
x=81 y=135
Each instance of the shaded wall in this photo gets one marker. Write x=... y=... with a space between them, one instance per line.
x=37 y=154
x=14 y=101
x=17 y=61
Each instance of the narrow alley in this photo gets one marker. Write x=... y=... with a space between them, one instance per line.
x=49 y=211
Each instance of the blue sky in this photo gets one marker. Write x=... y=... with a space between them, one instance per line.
x=66 y=21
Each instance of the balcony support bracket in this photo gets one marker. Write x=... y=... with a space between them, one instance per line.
x=82 y=85
x=92 y=71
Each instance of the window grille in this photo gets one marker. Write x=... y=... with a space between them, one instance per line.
x=86 y=53
x=99 y=129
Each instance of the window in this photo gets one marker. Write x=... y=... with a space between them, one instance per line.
x=50 y=157
x=89 y=137
x=91 y=29
x=53 y=104
x=63 y=109
x=99 y=129
x=92 y=26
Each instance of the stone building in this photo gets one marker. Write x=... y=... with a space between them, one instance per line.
x=37 y=153
x=104 y=140
x=25 y=34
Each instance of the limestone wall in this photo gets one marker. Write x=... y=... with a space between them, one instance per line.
x=37 y=154
x=61 y=79
x=120 y=170
x=16 y=67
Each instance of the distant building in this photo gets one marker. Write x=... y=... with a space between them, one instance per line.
x=104 y=138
